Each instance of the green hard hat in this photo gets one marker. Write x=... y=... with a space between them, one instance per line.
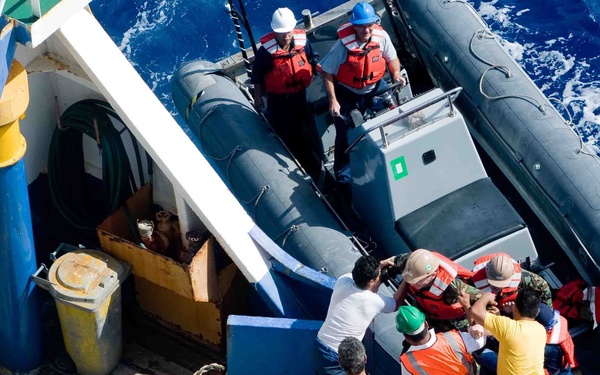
x=409 y=320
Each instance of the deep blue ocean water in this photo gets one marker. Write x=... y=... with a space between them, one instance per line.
x=556 y=42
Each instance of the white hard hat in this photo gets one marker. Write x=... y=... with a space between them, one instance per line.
x=420 y=264
x=283 y=21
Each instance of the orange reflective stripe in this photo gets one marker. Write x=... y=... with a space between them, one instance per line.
x=414 y=363
x=291 y=72
x=459 y=352
x=363 y=66
x=431 y=300
x=447 y=356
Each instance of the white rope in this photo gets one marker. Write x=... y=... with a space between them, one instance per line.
x=212 y=369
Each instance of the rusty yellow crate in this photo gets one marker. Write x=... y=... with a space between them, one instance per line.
x=197 y=281
x=189 y=298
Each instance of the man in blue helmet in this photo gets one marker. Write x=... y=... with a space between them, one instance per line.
x=353 y=72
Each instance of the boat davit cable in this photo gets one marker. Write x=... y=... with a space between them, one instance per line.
x=235 y=17
x=70 y=188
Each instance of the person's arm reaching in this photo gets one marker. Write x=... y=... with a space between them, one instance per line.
x=334 y=106
x=262 y=65
x=401 y=293
x=258 y=97
x=478 y=311
x=312 y=55
x=394 y=67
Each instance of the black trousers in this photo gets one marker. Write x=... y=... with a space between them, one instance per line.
x=294 y=122
x=348 y=100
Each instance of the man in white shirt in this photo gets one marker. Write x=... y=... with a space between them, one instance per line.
x=354 y=304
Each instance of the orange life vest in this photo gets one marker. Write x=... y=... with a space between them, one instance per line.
x=291 y=72
x=363 y=66
x=431 y=300
x=448 y=355
x=508 y=294
x=575 y=294
x=559 y=335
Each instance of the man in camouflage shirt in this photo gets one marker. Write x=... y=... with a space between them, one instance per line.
x=436 y=283
x=530 y=280
x=498 y=273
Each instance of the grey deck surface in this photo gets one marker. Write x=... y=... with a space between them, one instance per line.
x=149 y=349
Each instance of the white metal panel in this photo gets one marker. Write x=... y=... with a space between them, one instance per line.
x=166 y=142
x=457 y=163
x=518 y=245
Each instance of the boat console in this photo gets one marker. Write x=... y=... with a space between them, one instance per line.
x=418 y=180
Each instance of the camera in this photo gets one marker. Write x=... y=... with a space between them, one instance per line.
x=389 y=273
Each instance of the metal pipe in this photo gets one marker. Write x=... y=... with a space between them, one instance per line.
x=307 y=19
x=448 y=95
x=20 y=315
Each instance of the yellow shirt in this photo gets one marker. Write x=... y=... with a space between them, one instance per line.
x=522 y=344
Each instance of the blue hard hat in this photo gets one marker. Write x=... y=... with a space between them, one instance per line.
x=362 y=14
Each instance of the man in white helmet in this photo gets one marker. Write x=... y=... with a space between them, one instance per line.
x=436 y=283
x=353 y=72
x=283 y=69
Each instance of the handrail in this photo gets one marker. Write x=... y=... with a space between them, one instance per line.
x=450 y=95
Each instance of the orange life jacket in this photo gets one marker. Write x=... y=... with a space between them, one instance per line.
x=431 y=300
x=448 y=355
x=559 y=335
x=575 y=294
x=508 y=294
x=291 y=72
x=363 y=66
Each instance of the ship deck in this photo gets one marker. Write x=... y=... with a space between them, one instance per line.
x=148 y=348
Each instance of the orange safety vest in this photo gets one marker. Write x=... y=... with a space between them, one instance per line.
x=559 y=335
x=431 y=300
x=508 y=294
x=291 y=72
x=363 y=66
x=447 y=356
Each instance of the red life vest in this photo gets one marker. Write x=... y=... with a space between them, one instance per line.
x=559 y=335
x=363 y=66
x=508 y=294
x=448 y=355
x=291 y=72
x=431 y=300
x=574 y=295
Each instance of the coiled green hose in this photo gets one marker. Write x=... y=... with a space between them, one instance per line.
x=73 y=193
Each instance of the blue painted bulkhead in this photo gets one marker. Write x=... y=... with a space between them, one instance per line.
x=286 y=345
x=20 y=315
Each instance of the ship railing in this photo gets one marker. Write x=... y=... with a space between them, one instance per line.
x=449 y=95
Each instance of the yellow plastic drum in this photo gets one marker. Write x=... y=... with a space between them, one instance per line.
x=86 y=288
